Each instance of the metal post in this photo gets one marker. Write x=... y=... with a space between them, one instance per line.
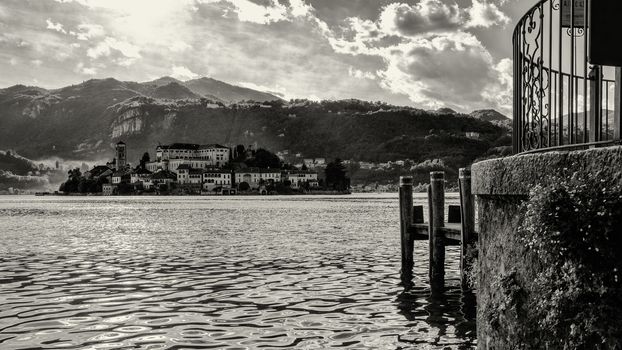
x=406 y=221
x=595 y=104
x=437 y=244
x=467 y=213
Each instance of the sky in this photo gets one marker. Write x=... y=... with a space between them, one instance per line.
x=423 y=53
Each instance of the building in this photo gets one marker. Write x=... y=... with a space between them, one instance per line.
x=217 y=178
x=108 y=189
x=121 y=177
x=299 y=178
x=366 y=165
x=121 y=155
x=256 y=177
x=170 y=157
x=98 y=172
x=312 y=163
x=140 y=175
x=472 y=135
x=189 y=176
x=141 y=179
x=163 y=177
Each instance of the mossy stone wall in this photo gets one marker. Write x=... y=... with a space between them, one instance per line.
x=508 y=270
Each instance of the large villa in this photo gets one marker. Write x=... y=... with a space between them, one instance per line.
x=171 y=157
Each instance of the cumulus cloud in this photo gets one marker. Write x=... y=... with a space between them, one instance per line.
x=81 y=69
x=109 y=45
x=87 y=31
x=183 y=73
x=426 y=16
x=359 y=74
x=270 y=11
x=55 y=26
x=429 y=54
x=498 y=92
x=299 y=8
x=483 y=14
x=417 y=51
x=180 y=46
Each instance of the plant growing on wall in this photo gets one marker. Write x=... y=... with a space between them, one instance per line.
x=574 y=227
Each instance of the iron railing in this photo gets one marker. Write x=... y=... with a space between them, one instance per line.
x=560 y=100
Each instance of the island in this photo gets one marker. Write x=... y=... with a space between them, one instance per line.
x=211 y=169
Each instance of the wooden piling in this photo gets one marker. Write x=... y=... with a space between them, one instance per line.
x=617 y=118
x=436 y=235
x=406 y=220
x=467 y=213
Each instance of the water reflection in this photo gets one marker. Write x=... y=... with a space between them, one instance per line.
x=162 y=273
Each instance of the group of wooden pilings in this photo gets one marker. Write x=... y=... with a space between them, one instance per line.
x=459 y=230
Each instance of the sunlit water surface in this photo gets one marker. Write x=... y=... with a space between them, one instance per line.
x=223 y=273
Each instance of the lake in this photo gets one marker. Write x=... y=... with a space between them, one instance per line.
x=308 y=272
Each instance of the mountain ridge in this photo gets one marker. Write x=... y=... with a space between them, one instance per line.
x=84 y=121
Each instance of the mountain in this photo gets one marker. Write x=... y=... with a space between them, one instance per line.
x=174 y=91
x=84 y=121
x=226 y=92
x=446 y=110
x=494 y=117
x=489 y=115
x=163 y=81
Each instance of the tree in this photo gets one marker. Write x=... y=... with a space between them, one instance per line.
x=144 y=160
x=264 y=159
x=72 y=185
x=335 y=174
x=244 y=186
x=240 y=153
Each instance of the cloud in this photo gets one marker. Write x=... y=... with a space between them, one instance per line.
x=111 y=45
x=249 y=11
x=404 y=52
x=88 y=31
x=180 y=46
x=55 y=26
x=80 y=68
x=429 y=55
x=498 y=92
x=299 y=8
x=37 y=63
x=271 y=12
x=483 y=14
x=183 y=73
x=359 y=74
x=426 y=16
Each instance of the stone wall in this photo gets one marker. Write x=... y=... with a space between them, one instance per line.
x=501 y=187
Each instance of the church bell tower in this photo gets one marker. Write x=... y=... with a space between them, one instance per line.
x=121 y=156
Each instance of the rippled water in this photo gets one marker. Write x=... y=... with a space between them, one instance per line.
x=222 y=273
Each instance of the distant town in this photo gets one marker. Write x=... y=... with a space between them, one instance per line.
x=212 y=169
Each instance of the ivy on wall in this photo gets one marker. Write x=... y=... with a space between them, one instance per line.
x=574 y=229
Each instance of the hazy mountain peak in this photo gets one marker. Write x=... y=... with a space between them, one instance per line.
x=446 y=110
x=164 y=81
x=174 y=91
x=489 y=115
x=226 y=92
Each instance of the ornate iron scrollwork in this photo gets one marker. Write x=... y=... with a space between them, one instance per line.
x=535 y=82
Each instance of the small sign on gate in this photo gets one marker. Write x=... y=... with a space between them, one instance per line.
x=579 y=13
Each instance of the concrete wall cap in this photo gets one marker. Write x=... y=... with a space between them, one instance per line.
x=517 y=175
